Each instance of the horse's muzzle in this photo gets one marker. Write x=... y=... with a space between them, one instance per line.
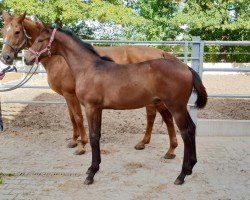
x=7 y=58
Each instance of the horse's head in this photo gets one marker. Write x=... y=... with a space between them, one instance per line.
x=42 y=47
x=14 y=37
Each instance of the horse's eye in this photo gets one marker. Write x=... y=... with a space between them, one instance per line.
x=17 y=32
x=40 y=40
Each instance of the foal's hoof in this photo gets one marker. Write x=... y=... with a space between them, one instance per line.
x=80 y=150
x=72 y=144
x=88 y=181
x=179 y=182
x=140 y=146
x=169 y=156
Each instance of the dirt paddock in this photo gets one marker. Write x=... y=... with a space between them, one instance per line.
x=33 y=150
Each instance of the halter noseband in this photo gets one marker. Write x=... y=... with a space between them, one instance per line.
x=39 y=53
x=17 y=48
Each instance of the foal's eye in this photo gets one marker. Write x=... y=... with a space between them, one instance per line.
x=39 y=40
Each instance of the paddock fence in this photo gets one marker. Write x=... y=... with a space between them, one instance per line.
x=193 y=54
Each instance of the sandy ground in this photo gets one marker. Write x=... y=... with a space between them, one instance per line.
x=34 y=143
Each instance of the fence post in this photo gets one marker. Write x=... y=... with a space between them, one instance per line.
x=197 y=65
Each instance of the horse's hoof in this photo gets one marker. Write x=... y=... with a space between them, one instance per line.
x=189 y=172
x=89 y=182
x=169 y=156
x=140 y=146
x=179 y=182
x=72 y=144
x=80 y=150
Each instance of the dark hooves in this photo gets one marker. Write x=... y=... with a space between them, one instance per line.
x=88 y=181
x=169 y=156
x=179 y=182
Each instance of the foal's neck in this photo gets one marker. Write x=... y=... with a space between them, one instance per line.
x=78 y=58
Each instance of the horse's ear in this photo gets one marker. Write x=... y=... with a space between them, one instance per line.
x=6 y=17
x=21 y=17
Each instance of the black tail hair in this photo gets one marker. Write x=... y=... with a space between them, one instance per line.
x=200 y=89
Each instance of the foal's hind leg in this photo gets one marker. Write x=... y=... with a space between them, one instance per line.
x=77 y=122
x=151 y=114
x=187 y=129
x=168 y=119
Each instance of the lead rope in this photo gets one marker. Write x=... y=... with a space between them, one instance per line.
x=23 y=81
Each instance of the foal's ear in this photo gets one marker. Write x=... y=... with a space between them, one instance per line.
x=45 y=26
x=40 y=26
x=21 y=17
x=6 y=17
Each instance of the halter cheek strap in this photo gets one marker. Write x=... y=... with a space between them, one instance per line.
x=47 y=49
x=17 y=48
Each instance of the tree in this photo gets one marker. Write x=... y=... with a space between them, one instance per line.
x=70 y=12
x=216 y=20
x=158 y=13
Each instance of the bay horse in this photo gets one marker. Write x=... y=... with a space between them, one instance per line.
x=20 y=32
x=104 y=84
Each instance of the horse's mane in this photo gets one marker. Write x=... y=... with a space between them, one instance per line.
x=84 y=44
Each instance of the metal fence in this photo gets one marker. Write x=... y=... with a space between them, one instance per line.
x=196 y=46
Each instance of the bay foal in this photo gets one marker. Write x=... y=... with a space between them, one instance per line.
x=103 y=84
x=20 y=32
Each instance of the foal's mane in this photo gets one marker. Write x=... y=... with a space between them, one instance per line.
x=84 y=44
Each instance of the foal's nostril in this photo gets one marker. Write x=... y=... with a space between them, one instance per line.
x=26 y=61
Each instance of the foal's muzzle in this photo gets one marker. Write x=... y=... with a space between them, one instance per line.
x=29 y=61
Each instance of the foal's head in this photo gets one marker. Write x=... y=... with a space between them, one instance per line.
x=13 y=35
x=41 y=48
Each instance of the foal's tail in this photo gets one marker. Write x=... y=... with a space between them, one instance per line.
x=200 y=89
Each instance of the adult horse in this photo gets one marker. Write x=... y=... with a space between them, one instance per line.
x=20 y=32
x=103 y=84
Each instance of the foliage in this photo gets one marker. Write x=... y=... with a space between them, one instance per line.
x=71 y=12
x=149 y=20
x=157 y=13
x=216 y=20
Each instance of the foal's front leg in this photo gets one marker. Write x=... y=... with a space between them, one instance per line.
x=94 y=115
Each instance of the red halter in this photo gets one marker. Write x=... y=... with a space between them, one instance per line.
x=38 y=53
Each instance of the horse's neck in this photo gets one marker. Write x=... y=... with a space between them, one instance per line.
x=31 y=30
x=79 y=59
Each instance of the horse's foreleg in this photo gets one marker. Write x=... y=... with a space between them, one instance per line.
x=72 y=143
x=151 y=114
x=77 y=122
x=168 y=119
x=94 y=116
x=187 y=129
